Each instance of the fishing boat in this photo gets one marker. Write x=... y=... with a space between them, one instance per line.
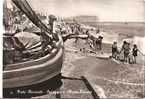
x=31 y=71
x=37 y=70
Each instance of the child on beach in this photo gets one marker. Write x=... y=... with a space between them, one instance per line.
x=114 y=50
x=134 y=52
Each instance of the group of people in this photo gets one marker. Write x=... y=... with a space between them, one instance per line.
x=129 y=55
x=95 y=43
x=99 y=43
x=125 y=53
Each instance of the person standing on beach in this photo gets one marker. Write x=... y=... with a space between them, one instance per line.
x=134 y=52
x=126 y=51
x=114 y=50
x=99 y=42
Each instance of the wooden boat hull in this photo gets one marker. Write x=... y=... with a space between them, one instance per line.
x=35 y=71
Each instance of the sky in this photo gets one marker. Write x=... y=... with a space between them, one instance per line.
x=106 y=10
